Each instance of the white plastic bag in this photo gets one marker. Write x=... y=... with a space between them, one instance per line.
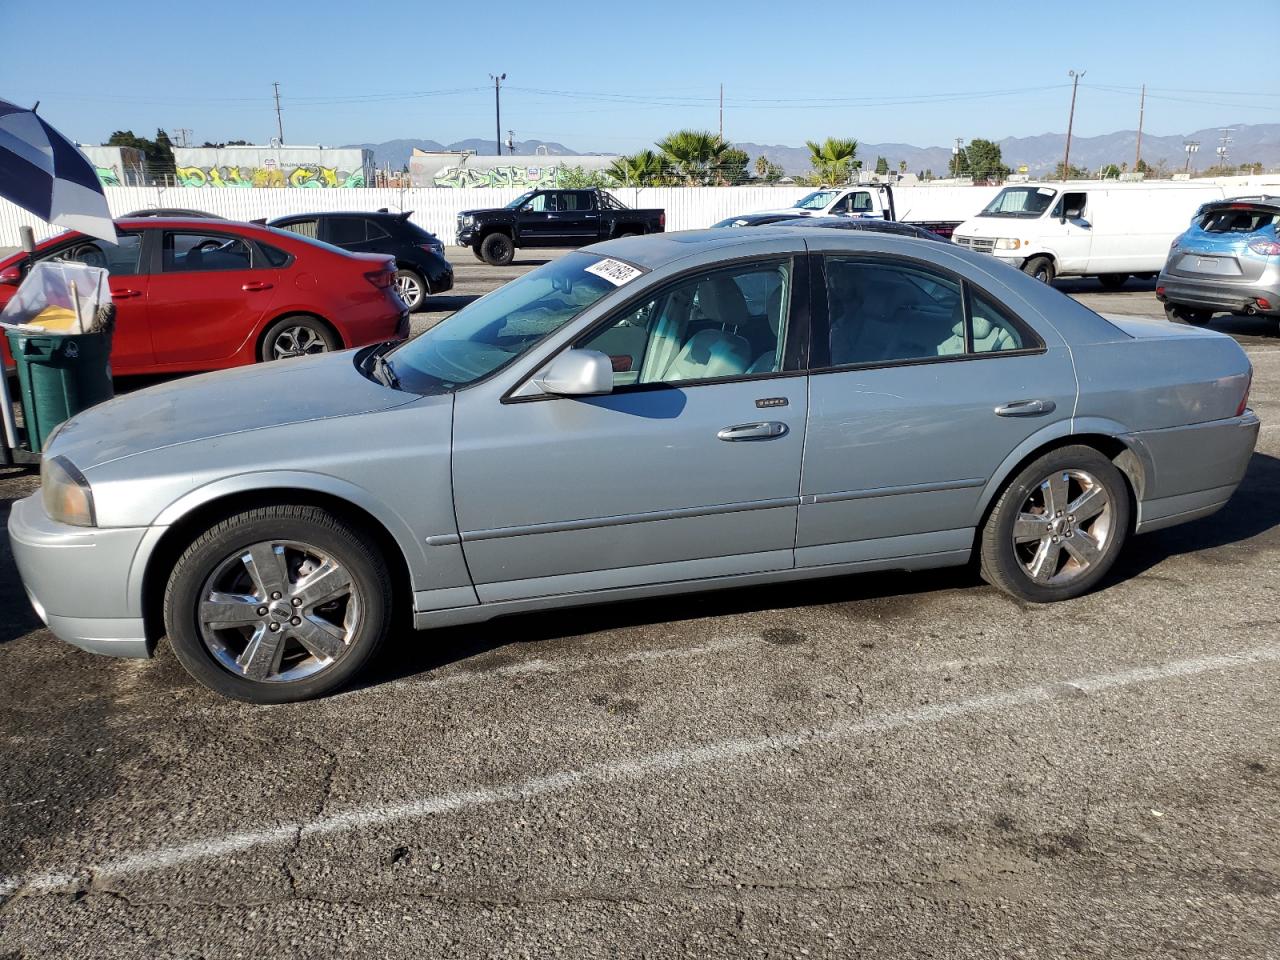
x=58 y=297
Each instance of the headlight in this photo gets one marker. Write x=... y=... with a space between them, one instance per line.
x=468 y=220
x=1008 y=243
x=66 y=494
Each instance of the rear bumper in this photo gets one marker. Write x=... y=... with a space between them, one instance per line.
x=77 y=579
x=1192 y=471
x=1219 y=295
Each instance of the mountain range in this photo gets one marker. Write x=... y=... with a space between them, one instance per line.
x=1251 y=143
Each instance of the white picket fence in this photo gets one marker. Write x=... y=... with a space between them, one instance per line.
x=688 y=208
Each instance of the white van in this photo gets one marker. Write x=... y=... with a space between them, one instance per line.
x=1085 y=228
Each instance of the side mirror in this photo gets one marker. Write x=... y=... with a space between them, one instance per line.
x=578 y=373
x=11 y=276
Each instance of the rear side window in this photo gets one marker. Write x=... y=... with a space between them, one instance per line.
x=188 y=252
x=1238 y=221
x=274 y=255
x=303 y=228
x=991 y=329
x=373 y=230
x=345 y=230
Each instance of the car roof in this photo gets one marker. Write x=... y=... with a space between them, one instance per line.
x=374 y=214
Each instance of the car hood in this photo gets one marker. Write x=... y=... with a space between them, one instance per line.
x=218 y=404
x=487 y=211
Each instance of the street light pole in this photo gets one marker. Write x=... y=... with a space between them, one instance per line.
x=497 y=108
x=1071 y=119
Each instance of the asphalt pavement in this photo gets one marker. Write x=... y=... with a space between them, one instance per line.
x=882 y=766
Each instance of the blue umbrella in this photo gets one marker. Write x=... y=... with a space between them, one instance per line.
x=45 y=173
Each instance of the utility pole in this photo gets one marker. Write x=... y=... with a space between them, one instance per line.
x=722 y=111
x=1071 y=119
x=1224 y=143
x=181 y=134
x=497 y=107
x=1191 y=146
x=955 y=156
x=279 y=120
x=1142 y=109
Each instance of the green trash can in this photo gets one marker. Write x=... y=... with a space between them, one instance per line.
x=59 y=377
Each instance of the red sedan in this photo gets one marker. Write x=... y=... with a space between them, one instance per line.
x=207 y=294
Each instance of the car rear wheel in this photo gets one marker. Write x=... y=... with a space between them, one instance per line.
x=412 y=288
x=1113 y=281
x=1041 y=268
x=497 y=249
x=277 y=604
x=1180 y=314
x=296 y=336
x=1058 y=526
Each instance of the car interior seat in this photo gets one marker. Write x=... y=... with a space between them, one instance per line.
x=715 y=351
x=766 y=362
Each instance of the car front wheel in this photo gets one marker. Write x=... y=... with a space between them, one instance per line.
x=1041 y=268
x=497 y=249
x=1058 y=526
x=277 y=604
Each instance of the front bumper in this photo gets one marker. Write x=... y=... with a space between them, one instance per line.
x=440 y=281
x=78 y=579
x=1218 y=295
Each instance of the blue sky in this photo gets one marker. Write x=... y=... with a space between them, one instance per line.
x=614 y=77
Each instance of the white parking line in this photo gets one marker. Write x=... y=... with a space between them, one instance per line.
x=637 y=768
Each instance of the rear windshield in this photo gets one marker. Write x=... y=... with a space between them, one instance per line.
x=1249 y=220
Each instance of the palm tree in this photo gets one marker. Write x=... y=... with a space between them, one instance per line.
x=833 y=159
x=762 y=166
x=693 y=154
x=643 y=169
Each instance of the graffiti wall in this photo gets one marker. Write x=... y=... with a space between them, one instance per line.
x=273 y=167
x=302 y=175
x=509 y=176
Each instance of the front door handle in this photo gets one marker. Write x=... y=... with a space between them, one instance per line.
x=770 y=430
x=1026 y=408
x=125 y=294
x=255 y=286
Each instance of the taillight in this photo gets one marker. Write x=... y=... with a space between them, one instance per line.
x=1244 y=401
x=1264 y=303
x=381 y=278
x=662 y=219
x=1268 y=248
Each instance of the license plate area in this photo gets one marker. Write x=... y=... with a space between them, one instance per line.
x=1208 y=265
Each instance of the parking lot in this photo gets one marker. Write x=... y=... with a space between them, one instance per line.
x=886 y=766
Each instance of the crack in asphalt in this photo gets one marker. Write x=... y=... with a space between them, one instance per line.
x=627 y=769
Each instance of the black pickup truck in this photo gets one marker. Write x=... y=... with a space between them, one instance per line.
x=552 y=218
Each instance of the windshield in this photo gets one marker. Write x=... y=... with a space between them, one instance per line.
x=816 y=200
x=1024 y=202
x=485 y=336
x=519 y=201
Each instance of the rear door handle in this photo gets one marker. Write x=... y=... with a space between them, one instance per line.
x=770 y=430
x=125 y=294
x=1026 y=408
x=256 y=286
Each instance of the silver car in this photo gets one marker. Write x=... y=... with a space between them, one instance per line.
x=648 y=416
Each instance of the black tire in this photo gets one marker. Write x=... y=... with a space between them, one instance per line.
x=1004 y=563
x=476 y=250
x=1041 y=268
x=1180 y=314
x=1113 y=281
x=370 y=584
x=296 y=335
x=497 y=250
x=412 y=288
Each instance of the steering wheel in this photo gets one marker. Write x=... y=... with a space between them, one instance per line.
x=90 y=254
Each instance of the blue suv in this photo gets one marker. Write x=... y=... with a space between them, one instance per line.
x=1228 y=261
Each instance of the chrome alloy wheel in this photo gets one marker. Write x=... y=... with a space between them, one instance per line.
x=1064 y=527
x=409 y=288
x=278 y=611
x=296 y=342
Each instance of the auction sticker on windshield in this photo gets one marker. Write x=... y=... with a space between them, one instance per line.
x=615 y=271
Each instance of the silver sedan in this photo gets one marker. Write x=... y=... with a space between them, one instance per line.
x=644 y=417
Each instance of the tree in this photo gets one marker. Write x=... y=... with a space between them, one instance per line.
x=579 y=178
x=642 y=169
x=984 y=160
x=695 y=155
x=158 y=152
x=1076 y=173
x=902 y=167
x=761 y=166
x=1111 y=172
x=959 y=163
x=731 y=166
x=834 y=159
x=882 y=166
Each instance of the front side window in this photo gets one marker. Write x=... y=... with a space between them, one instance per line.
x=303 y=228
x=726 y=323
x=120 y=260
x=189 y=252
x=539 y=203
x=1071 y=206
x=486 y=335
